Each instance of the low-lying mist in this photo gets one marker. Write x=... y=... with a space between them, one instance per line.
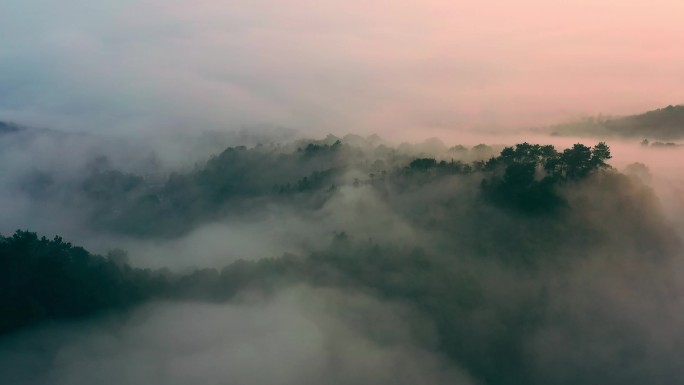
x=274 y=258
x=302 y=336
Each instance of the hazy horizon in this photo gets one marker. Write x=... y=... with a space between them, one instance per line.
x=418 y=69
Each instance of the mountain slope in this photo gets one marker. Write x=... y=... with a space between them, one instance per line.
x=664 y=124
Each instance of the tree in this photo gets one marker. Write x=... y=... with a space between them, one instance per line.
x=599 y=154
x=423 y=164
x=576 y=161
x=525 y=176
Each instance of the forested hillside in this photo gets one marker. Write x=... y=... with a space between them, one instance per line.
x=500 y=261
x=661 y=124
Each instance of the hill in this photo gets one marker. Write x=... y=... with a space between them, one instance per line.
x=663 y=124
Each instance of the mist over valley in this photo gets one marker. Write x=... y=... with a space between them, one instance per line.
x=416 y=192
x=360 y=260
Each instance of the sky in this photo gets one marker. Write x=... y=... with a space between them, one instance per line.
x=410 y=67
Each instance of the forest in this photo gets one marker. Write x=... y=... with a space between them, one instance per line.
x=660 y=124
x=477 y=265
x=341 y=192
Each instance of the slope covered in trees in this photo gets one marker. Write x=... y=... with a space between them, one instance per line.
x=505 y=258
x=661 y=124
x=240 y=179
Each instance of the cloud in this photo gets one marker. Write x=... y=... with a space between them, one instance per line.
x=304 y=336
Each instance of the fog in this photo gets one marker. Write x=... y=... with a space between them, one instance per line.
x=264 y=256
x=303 y=336
x=43 y=172
x=260 y=192
x=267 y=233
x=418 y=69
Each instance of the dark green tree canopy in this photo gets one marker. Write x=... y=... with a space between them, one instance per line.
x=525 y=176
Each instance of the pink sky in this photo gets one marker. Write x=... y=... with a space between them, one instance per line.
x=333 y=66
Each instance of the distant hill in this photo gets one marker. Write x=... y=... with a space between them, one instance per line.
x=664 y=124
x=9 y=127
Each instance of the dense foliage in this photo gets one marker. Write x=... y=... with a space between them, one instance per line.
x=45 y=279
x=239 y=179
x=526 y=175
x=503 y=249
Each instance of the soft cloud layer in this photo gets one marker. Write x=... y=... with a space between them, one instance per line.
x=303 y=337
x=418 y=67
